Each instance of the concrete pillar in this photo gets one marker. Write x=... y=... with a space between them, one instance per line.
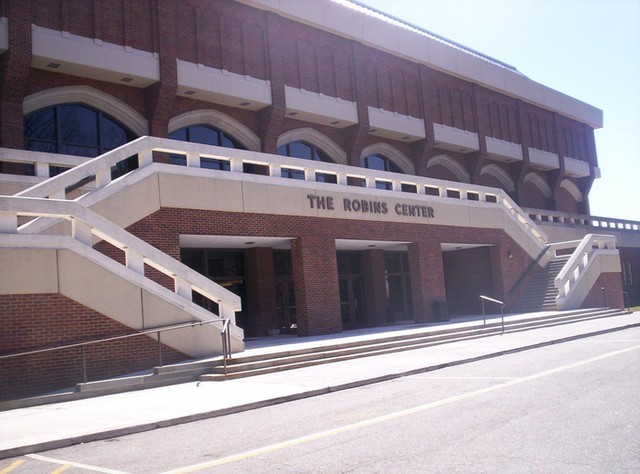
x=315 y=274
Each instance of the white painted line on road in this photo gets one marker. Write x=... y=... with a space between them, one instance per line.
x=423 y=377
x=73 y=464
x=392 y=416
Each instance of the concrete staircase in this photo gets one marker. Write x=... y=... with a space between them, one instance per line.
x=264 y=363
x=293 y=353
x=541 y=293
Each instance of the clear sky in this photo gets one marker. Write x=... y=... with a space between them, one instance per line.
x=587 y=49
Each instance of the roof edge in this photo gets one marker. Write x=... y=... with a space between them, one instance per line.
x=353 y=20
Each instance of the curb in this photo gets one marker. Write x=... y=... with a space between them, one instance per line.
x=66 y=442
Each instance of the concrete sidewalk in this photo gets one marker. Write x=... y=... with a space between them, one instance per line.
x=34 y=429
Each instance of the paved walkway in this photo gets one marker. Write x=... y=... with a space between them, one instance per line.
x=34 y=429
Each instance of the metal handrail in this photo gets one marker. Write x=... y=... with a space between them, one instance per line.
x=625 y=297
x=492 y=300
x=226 y=342
x=529 y=269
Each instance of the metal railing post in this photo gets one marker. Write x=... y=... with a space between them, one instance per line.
x=484 y=319
x=159 y=350
x=148 y=332
x=84 y=366
x=491 y=300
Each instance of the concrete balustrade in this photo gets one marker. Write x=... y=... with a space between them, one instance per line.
x=567 y=218
x=590 y=257
x=100 y=169
x=86 y=225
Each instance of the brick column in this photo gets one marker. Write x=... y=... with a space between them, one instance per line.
x=427 y=279
x=261 y=291
x=315 y=274
x=271 y=119
x=15 y=66
x=375 y=287
x=160 y=97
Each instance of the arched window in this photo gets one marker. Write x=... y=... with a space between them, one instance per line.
x=306 y=151
x=379 y=162
x=206 y=135
x=75 y=129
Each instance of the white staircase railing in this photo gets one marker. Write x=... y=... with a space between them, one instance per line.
x=99 y=169
x=591 y=256
x=87 y=225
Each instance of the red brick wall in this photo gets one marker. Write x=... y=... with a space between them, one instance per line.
x=611 y=299
x=467 y=275
x=630 y=258
x=36 y=321
x=247 y=41
x=261 y=297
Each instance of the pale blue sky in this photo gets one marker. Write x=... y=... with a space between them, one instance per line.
x=588 y=49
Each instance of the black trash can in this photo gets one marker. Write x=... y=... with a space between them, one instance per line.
x=442 y=311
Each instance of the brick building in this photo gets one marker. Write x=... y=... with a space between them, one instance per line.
x=324 y=166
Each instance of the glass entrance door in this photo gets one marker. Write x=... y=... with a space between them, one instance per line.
x=286 y=305
x=351 y=301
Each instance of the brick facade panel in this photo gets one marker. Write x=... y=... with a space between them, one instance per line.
x=38 y=321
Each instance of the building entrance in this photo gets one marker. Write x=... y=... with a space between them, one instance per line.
x=351 y=290
x=285 y=292
x=398 y=287
x=226 y=268
x=351 y=302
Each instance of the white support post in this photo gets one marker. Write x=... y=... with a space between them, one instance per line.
x=341 y=178
x=421 y=189
x=396 y=185
x=309 y=174
x=8 y=223
x=371 y=182
x=442 y=191
x=276 y=170
x=227 y=312
x=236 y=165
x=81 y=231
x=145 y=157
x=193 y=160
x=134 y=261
x=42 y=169
x=182 y=287
x=103 y=177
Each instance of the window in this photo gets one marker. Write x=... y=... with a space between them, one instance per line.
x=207 y=136
x=306 y=151
x=378 y=162
x=75 y=129
x=303 y=150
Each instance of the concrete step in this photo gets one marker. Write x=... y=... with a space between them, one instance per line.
x=267 y=362
x=287 y=360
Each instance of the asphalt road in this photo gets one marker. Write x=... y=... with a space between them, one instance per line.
x=572 y=407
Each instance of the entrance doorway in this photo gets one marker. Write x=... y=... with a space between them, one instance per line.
x=226 y=268
x=285 y=292
x=351 y=290
x=399 y=305
x=351 y=302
